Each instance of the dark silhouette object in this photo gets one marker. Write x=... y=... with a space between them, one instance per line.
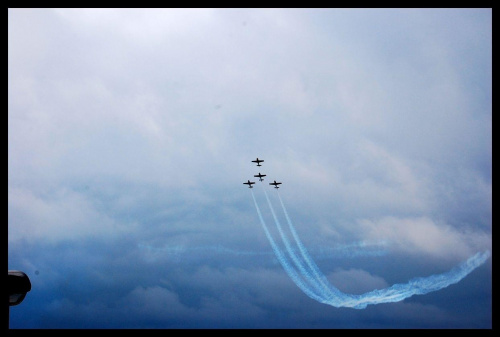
x=260 y=176
x=249 y=183
x=275 y=184
x=18 y=284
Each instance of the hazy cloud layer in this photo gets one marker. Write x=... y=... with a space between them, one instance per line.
x=130 y=132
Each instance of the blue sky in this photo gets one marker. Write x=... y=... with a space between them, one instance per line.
x=131 y=131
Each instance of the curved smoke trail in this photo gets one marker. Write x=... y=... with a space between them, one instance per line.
x=307 y=276
x=330 y=295
x=416 y=286
x=331 y=292
x=283 y=260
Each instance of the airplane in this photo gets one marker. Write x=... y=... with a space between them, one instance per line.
x=249 y=183
x=275 y=184
x=260 y=176
x=258 y=161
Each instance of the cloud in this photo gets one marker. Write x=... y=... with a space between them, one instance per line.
x=422 y=235
x=65 y=215
x=137 y=24
x=131 y=131
x=144 y=307
x=205 y=297
x=356 y=281
x=154 y=303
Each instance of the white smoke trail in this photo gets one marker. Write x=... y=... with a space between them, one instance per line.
x=307 y=276
x=331 y=292
x=330 y=295
x=416 y=286
x=283 y=260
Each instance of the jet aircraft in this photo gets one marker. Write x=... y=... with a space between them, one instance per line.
x=249 y=183
x=258 y=161
x=275 y=184
x=260 y=176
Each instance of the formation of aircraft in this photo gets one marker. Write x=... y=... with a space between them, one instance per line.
x=275 y=184
x=250 y=183
x=260 y=176
x=258 y=161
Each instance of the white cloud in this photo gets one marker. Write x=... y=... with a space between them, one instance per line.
x=154 y=303
x=356 y=281
x=333 y=121
x=422 y=235
x=139 y=24
x=65 y=215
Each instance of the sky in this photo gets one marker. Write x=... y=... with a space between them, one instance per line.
x=131 y=131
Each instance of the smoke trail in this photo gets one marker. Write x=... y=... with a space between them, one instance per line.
x=179 y=250
x=282 y=259
x=313 y=281
x=332 y=292
x=332 y=296
x=416 y=286
x=351 y=250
